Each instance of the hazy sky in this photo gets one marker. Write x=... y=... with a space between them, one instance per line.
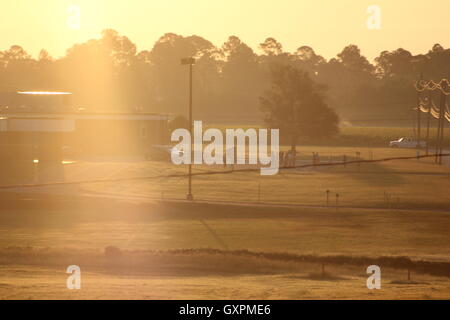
x=325 y=25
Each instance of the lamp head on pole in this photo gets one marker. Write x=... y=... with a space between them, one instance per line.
x=186 y=61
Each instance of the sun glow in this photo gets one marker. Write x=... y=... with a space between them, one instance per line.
x=58 y=24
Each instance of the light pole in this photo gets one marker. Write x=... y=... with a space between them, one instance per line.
x=190 y=61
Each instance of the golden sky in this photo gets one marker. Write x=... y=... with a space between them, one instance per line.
x=325 y=25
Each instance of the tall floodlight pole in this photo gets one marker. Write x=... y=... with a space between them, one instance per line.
x=190 y=61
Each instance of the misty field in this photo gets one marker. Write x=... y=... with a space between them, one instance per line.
x=398 y=184
x=33 y=282
x=164 y=246
x=159 y=250
x=351 y=135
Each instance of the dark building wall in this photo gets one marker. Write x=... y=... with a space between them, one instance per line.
x=91 y=137
x=117 y=137
x=18 y=151
x=16 y=162
x=45 y=146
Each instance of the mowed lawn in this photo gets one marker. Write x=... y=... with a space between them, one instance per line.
x=59 y=222
x=407 y=184
x=396 y=208
x=80 y=230
x=33 y=282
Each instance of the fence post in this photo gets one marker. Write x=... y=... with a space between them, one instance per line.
x=328 y=198
x=337 y=200
x=259 y=192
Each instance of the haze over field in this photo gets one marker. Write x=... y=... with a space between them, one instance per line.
x=239 y=149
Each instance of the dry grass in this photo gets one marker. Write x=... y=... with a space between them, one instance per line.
x=207 y=261
x=97 y=223
x=155 y=259
x=30 y=273
x=35 y=282
x=161 y=263
x=323 y=276
x=67 y=225
x=409 y=184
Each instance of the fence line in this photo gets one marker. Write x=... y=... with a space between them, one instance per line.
x=215 y=172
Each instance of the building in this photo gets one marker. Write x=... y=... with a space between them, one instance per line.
x=39 y=126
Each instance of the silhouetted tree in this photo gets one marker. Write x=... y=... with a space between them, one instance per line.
x=171 y=81
x=271 y=47
x=398 y=63
x=295 y=104
x=241 y=79
x=109 y=73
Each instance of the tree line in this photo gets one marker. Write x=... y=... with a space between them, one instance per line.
x=109 y=73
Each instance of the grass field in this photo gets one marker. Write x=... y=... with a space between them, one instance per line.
x=95 y=224
x=380 y=136
x=33 y=282
x=46 y=283
x=401 y=184
x=391 y=209
x=37 y=246
x=374 y=136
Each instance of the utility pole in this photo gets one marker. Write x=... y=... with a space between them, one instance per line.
x=438 y=136
x=418 y=112
x=190 y=61
x=444 y=85
x=430 y=105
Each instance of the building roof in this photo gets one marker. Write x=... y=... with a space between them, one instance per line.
x=44 y=93
x=85 y=115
